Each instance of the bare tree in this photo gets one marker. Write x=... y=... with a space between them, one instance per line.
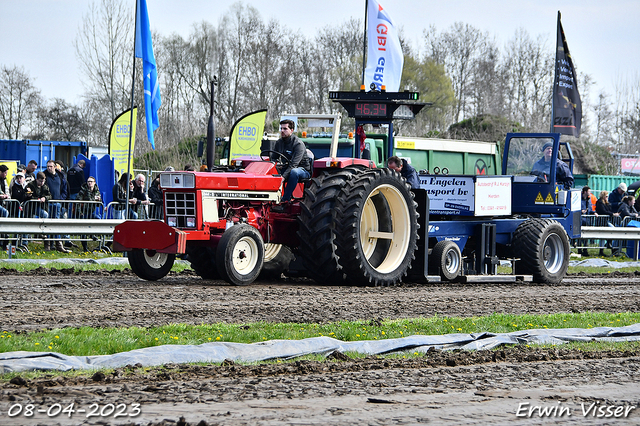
x=603 y=119
x=339 y=60
x=19 y=101
x=188 y=68
x=458 y=50
x=486 y=93
x=104 y=47
x=238 y=27
x=63 y=121
x=627 y=110
x=528 y=72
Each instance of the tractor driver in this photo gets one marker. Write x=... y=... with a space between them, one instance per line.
x=542 y=168
x=295 y=151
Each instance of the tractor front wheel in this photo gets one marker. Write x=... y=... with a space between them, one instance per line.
x=149 y=264
x=240 y=255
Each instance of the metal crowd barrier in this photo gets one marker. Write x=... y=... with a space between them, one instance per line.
x=68 y=220
x=606 y=232
x=12 y=206
x=115 y=210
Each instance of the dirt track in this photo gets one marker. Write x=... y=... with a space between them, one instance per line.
x=455 y=387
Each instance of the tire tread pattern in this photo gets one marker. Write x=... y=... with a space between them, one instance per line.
x=528 y=241
x=349 y=205
x=317 y=230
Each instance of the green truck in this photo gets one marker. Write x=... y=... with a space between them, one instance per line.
x=427 y=155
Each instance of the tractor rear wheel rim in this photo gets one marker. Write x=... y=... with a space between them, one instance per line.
x=245 y=255
x=400 y=225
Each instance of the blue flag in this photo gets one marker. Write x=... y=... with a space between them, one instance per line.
x=144 y=50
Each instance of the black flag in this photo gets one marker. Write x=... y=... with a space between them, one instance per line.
x=567 y=108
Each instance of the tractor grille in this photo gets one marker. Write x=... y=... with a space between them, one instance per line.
x=180 y=205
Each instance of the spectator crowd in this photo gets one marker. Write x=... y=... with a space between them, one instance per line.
x=56 y=192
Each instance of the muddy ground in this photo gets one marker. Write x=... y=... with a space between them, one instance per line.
x=504 y=386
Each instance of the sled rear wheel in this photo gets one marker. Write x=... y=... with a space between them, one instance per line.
x=447 y=258
x=542 y=245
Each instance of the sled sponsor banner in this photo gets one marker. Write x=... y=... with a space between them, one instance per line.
x=119 y=140
x=246 y=135
x=384 y=54
x=493 y=196
x=468 y=195
x=450 y=195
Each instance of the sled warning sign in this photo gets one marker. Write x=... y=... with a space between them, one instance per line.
x=549 y=199
x=539 y=199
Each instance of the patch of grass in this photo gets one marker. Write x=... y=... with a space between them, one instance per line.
x=87 y=341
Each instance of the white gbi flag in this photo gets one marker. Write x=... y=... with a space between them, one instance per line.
x=384 y=54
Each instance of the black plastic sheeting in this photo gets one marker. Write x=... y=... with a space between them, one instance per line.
x=216 y=352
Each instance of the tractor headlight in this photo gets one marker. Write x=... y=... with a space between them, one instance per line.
x=172 y=221
x=191 y=222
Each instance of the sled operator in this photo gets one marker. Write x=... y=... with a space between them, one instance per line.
x=542 y=168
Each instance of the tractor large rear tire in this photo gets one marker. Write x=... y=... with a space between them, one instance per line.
x=317 y=227
x=149 y=264
x=377 y=228
x=203 y=262
x=542 y=245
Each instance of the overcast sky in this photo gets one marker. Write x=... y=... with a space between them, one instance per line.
x=603 y=36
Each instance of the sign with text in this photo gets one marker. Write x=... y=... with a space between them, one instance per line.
x=468 y=195
x=246 y=135
x=630 y=165
x=123 y=126
x=450 y=195
x=493 y=196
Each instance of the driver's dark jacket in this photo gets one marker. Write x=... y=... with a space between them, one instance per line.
x=295 y=150
x=410 y=174
x=563 y=174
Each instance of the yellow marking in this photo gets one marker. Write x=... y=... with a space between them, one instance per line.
x=539 y=199
x=405 y=145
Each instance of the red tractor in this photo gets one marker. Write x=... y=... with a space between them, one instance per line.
x=349 y=224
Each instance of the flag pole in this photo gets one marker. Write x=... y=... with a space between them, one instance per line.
x=133 y=85
x=364 y=44
x=555 y=78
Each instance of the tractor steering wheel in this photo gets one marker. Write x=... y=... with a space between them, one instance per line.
x=281 y=162
x=540 y=176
